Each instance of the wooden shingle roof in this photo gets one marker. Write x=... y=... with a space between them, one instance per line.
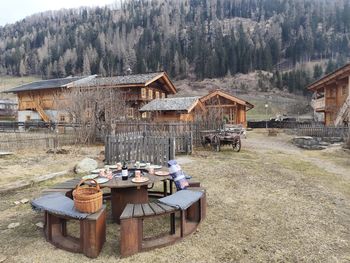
x=131 y=80
x=171 y=104
x=329 y=78
x=46 y=84
x=135 y=80
x=228 y=96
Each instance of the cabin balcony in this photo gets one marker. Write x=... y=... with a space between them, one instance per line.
x=318 y=104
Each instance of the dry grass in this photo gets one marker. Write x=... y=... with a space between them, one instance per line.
x=270 y=202
x=24 y=165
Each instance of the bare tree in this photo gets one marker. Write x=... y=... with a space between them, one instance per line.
x=94 y=110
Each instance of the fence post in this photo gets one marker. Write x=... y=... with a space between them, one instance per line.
x=107 y=149
x=171 y=148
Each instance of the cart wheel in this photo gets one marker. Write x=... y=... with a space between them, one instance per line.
x=236 y=145
x=215 y=143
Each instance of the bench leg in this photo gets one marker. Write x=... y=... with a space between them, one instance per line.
x=183 y=223
x=93 y=235
x=203 y=205
x=131 y=231
x=197 y=211
x=172 y=224
x=193 y=212
x=165 y=188
x=56 y=233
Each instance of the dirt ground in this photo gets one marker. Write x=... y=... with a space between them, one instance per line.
x=272 y=202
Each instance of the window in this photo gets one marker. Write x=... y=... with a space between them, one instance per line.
x=150 y=94
x=2 y=106
x=157 y=95
x=130 y=112
x=62 y=118
x=143 y=93
x=28 y=118
x=144 y=115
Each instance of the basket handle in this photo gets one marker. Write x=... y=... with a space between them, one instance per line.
x=84 y=180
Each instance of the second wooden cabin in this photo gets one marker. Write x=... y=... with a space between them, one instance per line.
x=217 y=105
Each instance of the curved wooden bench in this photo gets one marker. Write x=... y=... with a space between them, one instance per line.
x=131 y=227
x=92 y=233
x=65 y=187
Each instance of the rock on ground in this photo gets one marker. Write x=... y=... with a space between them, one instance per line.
x=40 y=224
x=24 y=201
x=86 y=165
x=13 y=225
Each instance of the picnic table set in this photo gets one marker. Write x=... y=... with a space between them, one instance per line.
x=130 y=193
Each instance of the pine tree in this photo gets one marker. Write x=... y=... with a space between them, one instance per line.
x=22 y=69
x=102 y=70
x=86 y=65
x=318 y=71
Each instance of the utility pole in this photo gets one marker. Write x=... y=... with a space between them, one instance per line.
x=266 y=106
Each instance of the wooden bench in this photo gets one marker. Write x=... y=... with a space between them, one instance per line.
x=92 y=228
x=92 y=233
x=65 y=187
x=131 y=228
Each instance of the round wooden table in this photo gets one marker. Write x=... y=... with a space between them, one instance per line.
x=124 y=192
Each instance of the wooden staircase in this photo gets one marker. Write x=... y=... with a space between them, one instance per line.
x=343 y=112
x=41 y=112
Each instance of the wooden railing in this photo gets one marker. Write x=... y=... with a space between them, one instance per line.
x=323 y=131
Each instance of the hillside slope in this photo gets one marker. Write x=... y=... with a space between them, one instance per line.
x=196 y=39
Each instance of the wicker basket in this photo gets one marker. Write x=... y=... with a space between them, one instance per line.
x=87 y=199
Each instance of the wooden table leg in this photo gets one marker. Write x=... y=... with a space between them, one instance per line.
x=165 y=188
x=120 y=197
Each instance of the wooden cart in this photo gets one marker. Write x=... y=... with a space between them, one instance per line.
x=219 y=138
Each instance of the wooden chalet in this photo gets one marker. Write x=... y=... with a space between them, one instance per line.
x=222 y=105
x=332 y=96
x=217 y=105
x=37 y=100
x=174 y=109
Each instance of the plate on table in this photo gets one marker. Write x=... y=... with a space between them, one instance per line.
x=112 y=166
x=96 y=171
x=102 y=180
x=141 y=165
x=161 y=173
x=140 y=180
x=89 y=176
x=155 y=166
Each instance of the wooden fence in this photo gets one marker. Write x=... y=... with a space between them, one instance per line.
x=323 y=131
x=21 y=141
x=146 y=147
x=179 y=130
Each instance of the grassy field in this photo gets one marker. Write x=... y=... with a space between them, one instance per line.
x=277 y=105
x=272 y=202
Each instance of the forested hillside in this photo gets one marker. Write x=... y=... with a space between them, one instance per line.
x=187 y=38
